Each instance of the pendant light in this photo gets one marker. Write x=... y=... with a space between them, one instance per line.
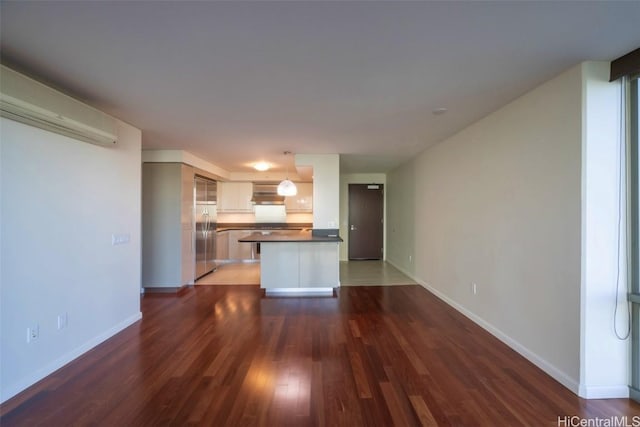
x=287 y=187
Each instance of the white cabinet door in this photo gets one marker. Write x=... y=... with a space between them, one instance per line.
x=235 y=196
x=303 y=201
x=246 y=252
x=279 y=265
x=319 y=265
x=233 y=245
x=239 y=250
x=222 y=245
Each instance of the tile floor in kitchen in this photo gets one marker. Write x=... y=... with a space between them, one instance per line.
x=352 y=273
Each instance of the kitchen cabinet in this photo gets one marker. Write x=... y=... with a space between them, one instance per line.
x=168 y=255
x=222 y=246
x=303 y=201
x=229 y=249
x=319 y=264
x=279 y=265
x=299 y=265
x=239 y=250
x=235 y=197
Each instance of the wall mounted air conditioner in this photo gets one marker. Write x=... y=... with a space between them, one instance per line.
x=27 y=101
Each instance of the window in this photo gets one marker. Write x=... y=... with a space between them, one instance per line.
x=634 y=212
x=628 y=67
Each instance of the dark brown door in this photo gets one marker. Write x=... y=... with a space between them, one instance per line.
x=366 y=209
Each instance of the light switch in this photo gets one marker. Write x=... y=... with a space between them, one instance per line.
x=120 y=239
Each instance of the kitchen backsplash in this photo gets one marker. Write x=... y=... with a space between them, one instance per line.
x=270 y=213
x=251 y=218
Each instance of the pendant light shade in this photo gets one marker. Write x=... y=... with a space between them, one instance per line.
x=287 y=187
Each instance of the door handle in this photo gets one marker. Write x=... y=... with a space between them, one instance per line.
x=353 y=227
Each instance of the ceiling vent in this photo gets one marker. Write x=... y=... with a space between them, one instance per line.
x=27 y=101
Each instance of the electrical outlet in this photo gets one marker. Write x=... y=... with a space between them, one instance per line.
x=62 y=321
x=474 y=288
x=33 y=333
x=410 y=259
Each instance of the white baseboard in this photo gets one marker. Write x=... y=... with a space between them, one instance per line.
x=540 y=362
x=604 y=392
x=13 y=389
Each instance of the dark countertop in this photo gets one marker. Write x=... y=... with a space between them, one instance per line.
x=287 y=236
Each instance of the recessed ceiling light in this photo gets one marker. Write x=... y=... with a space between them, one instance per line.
x=439 y=111
x=261 y=166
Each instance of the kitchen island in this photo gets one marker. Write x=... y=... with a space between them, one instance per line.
x=229 y=249
x=297 y=262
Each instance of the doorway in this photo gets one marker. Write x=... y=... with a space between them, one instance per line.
x=366 y=227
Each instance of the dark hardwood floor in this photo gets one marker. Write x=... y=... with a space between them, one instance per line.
x=226 y=355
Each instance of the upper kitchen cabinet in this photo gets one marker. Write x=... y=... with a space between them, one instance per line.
x=303 y=201
x=235 y=197
x=168 y=257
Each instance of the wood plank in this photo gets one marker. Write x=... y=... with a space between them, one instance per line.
x=393 y=404
x=359 y=375
x=422 y=411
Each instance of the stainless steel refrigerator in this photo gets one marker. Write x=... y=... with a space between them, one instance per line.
x=205 y=201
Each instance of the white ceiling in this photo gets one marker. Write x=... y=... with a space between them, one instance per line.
x=237 y=82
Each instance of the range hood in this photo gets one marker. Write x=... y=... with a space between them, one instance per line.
x=266 y=193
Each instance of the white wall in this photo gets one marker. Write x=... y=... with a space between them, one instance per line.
x=61 y=202
x=181 y=156
x=357 y=178
x=401 y=217
x=499 y=204
x=603 y=356
x=326 y=188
